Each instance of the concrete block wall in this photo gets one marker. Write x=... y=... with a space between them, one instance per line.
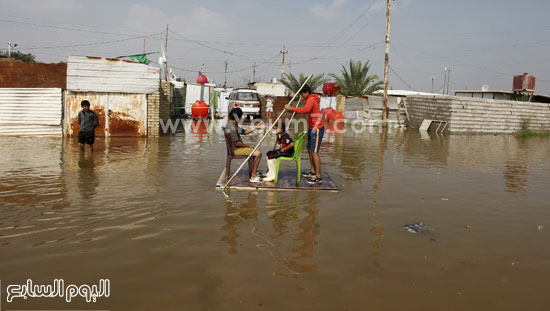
x=477 y=115
x=428 y=107
x=153 y=114
x=165 y=112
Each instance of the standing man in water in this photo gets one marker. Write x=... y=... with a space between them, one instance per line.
x=88 y=121
x=315 y=132
x=269 y=107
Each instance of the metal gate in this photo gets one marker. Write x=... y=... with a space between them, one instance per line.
x=127 y=113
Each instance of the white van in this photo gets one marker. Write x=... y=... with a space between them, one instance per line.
x=246 y=99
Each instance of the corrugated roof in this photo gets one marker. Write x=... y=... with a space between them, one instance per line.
x=105 y=75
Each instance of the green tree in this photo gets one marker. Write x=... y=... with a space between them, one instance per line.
x=27 y=58
x=294 y=83
x=356 y=81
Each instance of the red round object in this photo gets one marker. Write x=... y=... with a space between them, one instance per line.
x=337 y=116
x=328 y=113
x=202 y=79
x=199 y=109
x=330 y=89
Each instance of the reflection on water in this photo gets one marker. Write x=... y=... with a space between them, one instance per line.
x=293 y=230
x=144 y=213
x=87 y=177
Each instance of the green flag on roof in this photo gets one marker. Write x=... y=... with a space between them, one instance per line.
x=141 y=58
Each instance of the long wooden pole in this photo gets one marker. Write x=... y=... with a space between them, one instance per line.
x=386 y=63
x=265 y=135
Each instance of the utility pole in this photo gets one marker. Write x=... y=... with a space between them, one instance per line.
x=166 y=51
x=448 y=79
x=444 y=82
x=254 y=72
x=284 y=52
x=225 y=79
x=144 y=46
x=432 y=85
x=386 y=63
x=166 y=44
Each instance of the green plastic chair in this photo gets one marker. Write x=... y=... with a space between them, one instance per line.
x=296 y=157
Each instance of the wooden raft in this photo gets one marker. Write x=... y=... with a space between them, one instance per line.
x=287 y=182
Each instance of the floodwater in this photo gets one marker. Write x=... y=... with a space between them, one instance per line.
x=144 y=214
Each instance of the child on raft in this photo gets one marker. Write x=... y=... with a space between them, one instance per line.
x=286 y=150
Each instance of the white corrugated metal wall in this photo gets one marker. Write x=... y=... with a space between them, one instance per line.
x=193 y=93
x=30 y=111
x=93 y=74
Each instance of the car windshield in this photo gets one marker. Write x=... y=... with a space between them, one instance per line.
x=247 y=96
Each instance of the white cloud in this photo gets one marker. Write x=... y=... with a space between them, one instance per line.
x=328 y=11
x=198 y=21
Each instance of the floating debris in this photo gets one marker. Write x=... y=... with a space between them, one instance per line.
x=468 y=227
x=539 y=228
x=418 y=227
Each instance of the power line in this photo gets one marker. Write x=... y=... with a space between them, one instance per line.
x=269 y=61
x=73 y=26
x=210 y=47
x=89 y=44
x=331 y=42
x=348 y=27
x=61 y=28
x=399 y=77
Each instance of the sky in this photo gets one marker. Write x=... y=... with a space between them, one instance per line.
x=482 y=42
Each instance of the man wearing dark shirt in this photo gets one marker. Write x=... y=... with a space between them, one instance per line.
x=240 y=148
x=88 y=121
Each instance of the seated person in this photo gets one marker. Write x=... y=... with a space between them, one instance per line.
x=286 y=150
x=240 y=148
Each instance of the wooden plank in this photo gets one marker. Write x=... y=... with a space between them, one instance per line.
x=287 y=182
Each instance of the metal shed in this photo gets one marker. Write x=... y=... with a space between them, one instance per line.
x=117 y=91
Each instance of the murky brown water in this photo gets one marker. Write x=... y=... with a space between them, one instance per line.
x=144 y=213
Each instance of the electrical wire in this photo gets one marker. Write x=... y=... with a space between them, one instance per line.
x=212 y=48
x=399 y=77
x=89 y=44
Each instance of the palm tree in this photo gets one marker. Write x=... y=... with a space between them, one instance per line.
x=356 y=81
x=294 y=84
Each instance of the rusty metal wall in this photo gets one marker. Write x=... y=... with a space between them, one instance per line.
x=26 y=111
x=17 y=74
x=103 y=75
x=127 y=113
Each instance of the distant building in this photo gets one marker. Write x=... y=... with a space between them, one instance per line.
x=270 y=89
